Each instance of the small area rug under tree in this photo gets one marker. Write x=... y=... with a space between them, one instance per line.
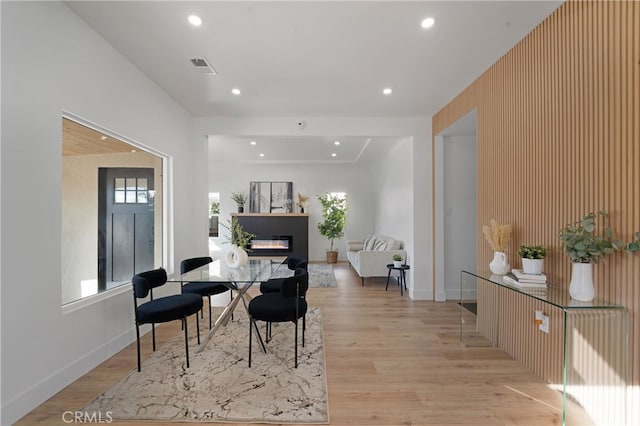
x=320 y=275
x=220 y=387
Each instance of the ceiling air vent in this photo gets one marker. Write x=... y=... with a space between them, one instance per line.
x=202 y=65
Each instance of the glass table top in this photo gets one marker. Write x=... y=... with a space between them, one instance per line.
x=258 y=269
x=555 y=295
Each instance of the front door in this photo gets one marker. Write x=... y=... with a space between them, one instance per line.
x=125 y=224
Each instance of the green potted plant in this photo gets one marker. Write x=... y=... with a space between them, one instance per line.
x=397 y=261
x=239 y=238
x=585 y=245
x=240 y=198
x=634 y=246
x=334 y=218
x=532 y=258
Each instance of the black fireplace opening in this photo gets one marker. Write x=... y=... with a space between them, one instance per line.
x=274 y=244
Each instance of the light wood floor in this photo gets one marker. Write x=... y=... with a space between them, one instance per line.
x=389 y=361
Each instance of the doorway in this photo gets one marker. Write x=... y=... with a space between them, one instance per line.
x=126 y=205
x=455 y=206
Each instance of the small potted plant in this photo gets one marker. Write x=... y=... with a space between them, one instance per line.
x=585 y=246
x=397 y=261
x=240 y=198
x=532 y=258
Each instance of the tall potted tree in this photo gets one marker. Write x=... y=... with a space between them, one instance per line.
x=334 y=217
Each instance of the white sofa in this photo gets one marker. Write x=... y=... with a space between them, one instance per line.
x=370 y=257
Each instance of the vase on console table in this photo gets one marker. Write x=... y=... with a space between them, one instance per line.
x=499 y=264
x=581 y=287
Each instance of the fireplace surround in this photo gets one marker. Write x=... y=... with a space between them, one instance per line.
x=277 y=233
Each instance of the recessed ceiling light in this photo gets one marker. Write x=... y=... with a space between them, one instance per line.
x=261 y=155
x=427 y=22
x=252 y=142
x=195 y=20
x=334 y=154
x=336 y=143
x=387 y=91
x=103 y=138
x=236 y=91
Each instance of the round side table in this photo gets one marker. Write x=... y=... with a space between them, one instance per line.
x=402 y=279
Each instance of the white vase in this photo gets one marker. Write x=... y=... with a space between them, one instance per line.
x=499 y=264
x=236 y=257
x=397 y=263
x=581 y=286
x=532 y=266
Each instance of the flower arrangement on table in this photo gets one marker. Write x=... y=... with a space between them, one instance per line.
x=583 y=243
x=302 y=201
x=497 y=235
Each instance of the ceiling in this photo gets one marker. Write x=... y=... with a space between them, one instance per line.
x=305 y=59
x=81 y=140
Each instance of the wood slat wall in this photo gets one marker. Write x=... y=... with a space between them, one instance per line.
x=558 y=135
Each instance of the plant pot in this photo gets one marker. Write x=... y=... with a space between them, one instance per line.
x=532 y=266
x=581 y=286
x=332 y=256
x=397 y=263
x=499 y=264
x=240 y=209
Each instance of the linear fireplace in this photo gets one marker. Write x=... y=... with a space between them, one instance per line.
x=277 y=234
x=275 y=244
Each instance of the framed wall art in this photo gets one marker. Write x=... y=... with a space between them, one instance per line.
x=271 y=197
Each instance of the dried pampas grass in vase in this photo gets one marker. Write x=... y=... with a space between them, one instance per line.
x=498 y=236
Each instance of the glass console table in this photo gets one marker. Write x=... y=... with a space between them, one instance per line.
x=580 y=348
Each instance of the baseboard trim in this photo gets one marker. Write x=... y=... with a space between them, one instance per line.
x=20 y=405
x=421 y=294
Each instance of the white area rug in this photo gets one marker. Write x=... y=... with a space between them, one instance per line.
x=220 y=387
x=319 y=275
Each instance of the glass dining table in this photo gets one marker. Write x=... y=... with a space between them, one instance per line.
x=239 y=280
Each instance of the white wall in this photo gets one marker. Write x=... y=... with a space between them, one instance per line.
x=400 y=183
x=53 y=62
x=310 y=180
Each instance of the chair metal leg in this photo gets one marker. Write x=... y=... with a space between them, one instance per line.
x=186 y=338
x=138 y=344
x=295 y=345
x=153 y=335
x=304 y=321
x=250 y=338
x=209 y=299
x=198 y=327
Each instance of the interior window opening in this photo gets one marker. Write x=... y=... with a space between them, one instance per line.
x=111 y=211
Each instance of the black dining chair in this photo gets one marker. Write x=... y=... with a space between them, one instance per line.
x=273 y=285
x=289 y=305
x=204 y=289
x=162 y=309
